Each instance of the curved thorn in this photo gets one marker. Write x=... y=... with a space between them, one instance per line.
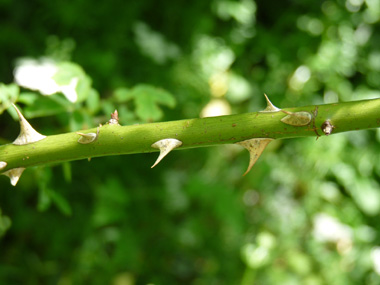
x=14 y=174
x=27 y=133
x=89 y=137
x=165 y=146
x=270 y=107
x=255 y=148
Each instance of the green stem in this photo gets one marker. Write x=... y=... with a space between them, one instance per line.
x=116 y=140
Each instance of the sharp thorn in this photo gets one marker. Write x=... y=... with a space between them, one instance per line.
x=27 y=133
x=165 y=146
x=255 y=148
x=14 y=174
x=270 y=107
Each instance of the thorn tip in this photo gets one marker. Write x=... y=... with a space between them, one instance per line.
x=270 y=107
x=255 y=147
x=14 y=174
x=27 y=133
x=165 y=146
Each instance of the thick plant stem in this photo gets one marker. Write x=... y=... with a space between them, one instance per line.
x=115 y=140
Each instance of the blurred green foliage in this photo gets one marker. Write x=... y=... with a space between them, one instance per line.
x=306 y=214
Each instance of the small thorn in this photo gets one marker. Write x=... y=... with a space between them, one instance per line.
x=327 y=127
x=165 y=146
x=14 y=174
x=89 y=137
x=297 y=119
x=114 y=118
x=89 y=159
x=255 y=148
x=270 y=107
x=3 y=164
x=27 y=133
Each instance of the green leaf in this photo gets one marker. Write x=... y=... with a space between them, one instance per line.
x=5 y=223
x=44 y=200
x=47 y=196
x=107 y=108
x=28 y=98
x=126 y=116
x=83 y=87
x=80 y=120
x=147 y=100
x=43 y=176
x=8 y=95
x=67 y=72
x=46 y=105
x=61 y=203
x=67 y=173
x=93 y=101
x=111 y=202
x=123 y=94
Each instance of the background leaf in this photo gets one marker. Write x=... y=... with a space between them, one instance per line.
x=148 y=98
x=8 y=95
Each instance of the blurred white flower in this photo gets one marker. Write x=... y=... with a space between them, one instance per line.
x=375 y=256
x=39 y=75
x=300 y=77
x=216 y=107
x=70 y=90
x=329 y=229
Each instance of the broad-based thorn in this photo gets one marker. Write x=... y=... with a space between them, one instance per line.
x=27 y=133
x=165 y=146
x=89 y=137
x=14 y=174
x=255 y=148
x=270 y=107
x=297 y=119
x=3 y=164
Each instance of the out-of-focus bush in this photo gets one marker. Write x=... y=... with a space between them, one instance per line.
x=306 y=214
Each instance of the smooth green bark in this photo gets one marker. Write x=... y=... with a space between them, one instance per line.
x=116 y=140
